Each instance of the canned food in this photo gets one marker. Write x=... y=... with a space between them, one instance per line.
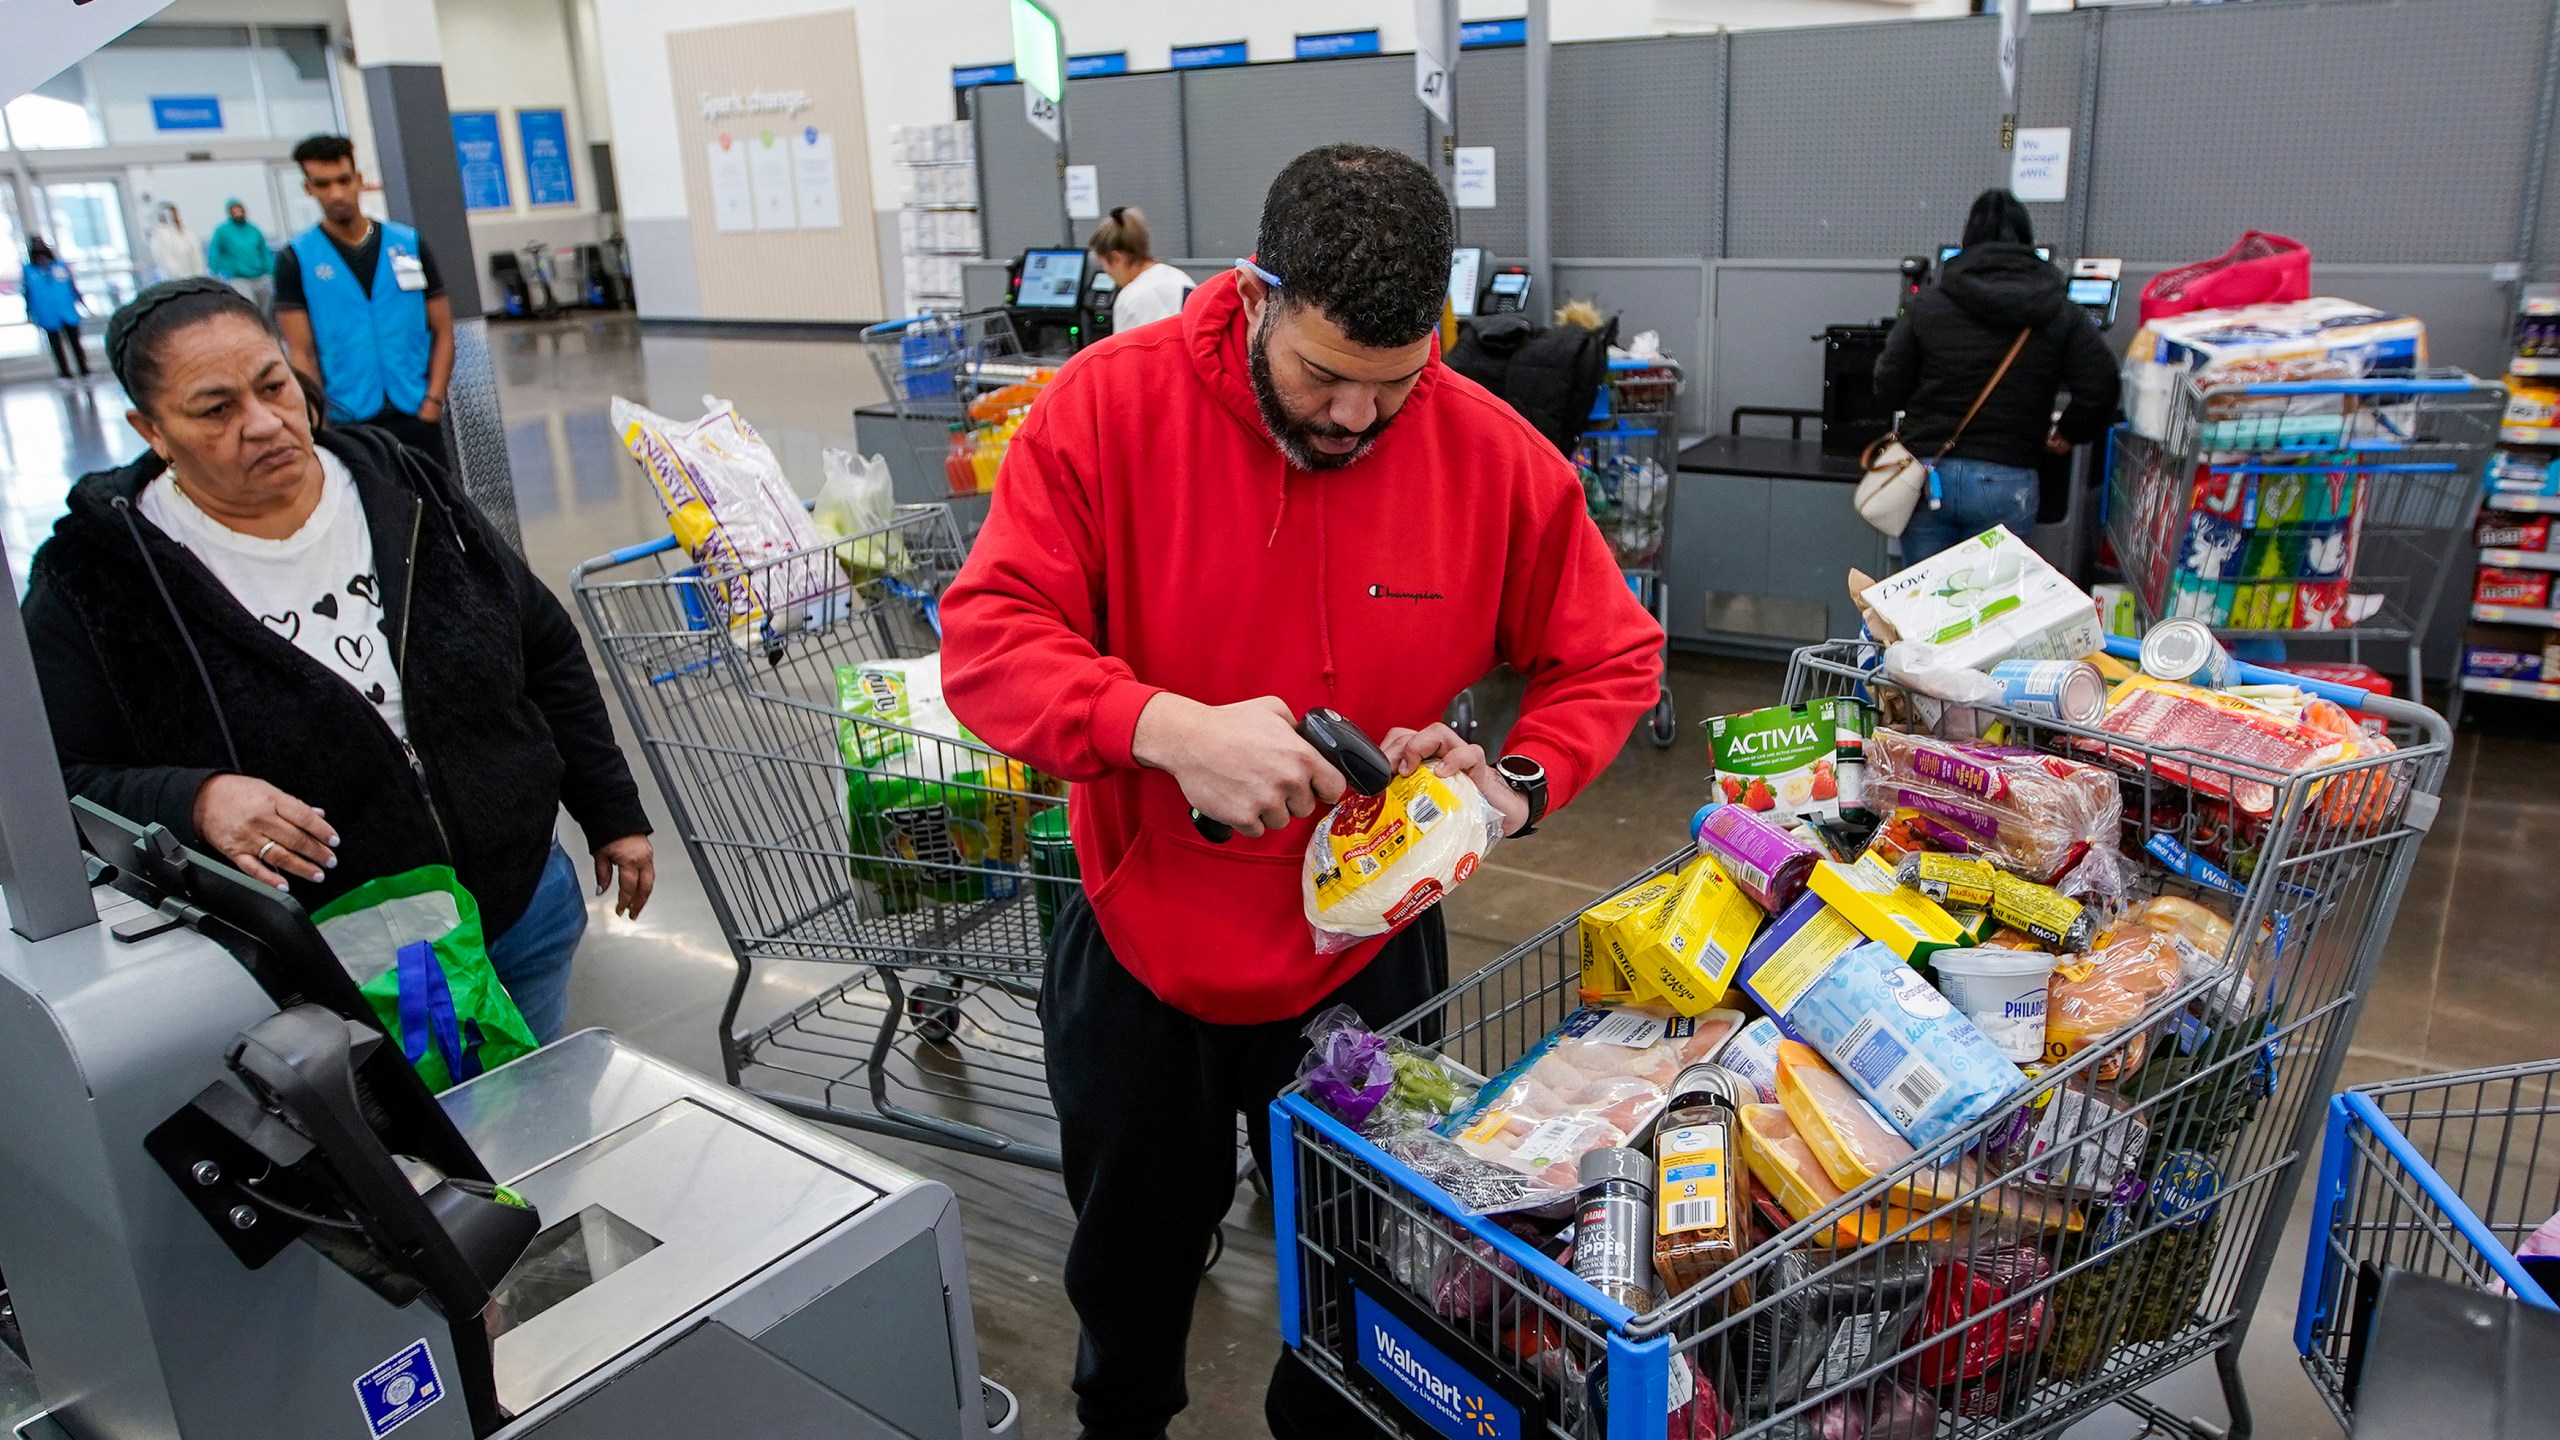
x=2183 y=649
x=2068 y=690
x=1053 y=865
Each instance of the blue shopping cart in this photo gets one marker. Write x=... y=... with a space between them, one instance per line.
x=2444 y=1175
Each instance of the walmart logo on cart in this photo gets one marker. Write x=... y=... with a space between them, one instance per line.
x=1439 y=1391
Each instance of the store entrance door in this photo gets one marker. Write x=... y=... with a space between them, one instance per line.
x=85 y=222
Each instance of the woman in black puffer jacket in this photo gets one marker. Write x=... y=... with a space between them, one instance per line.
x=1949 y=343
x=311 y=656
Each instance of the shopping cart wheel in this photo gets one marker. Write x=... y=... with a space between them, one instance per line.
x=935 y=1011
x=1462 y=715
x=1666 y=720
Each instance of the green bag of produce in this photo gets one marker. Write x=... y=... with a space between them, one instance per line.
x=413 y=943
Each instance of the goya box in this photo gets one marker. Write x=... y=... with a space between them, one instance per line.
x=1782 y=761
x=1604 y=975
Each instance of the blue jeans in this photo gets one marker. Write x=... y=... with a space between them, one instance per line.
x=1973 y=496
x=532 y=958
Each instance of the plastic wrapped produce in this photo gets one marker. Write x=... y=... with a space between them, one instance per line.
x=1377 y=1084
x=2096 y=995
x=1376 y=861
x=2037 y=814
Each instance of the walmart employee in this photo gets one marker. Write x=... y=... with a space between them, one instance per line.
x=362 y=307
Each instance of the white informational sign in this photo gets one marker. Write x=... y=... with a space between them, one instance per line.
x=813 y=172
x=733 y=205
x=1430 y=70
x=2040 y=165
x=1475 y=177
x=769 y=167
x=1043 y=113
x=1084 y=193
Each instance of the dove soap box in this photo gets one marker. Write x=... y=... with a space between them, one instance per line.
x=1989 y=599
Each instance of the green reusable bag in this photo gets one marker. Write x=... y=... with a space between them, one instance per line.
x=412 y=942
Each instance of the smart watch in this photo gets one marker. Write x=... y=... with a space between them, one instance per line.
x=1528 y=779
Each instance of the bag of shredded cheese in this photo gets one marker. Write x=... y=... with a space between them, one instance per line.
x=1377 y=861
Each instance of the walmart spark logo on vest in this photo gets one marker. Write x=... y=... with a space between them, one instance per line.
x=1439 y=1391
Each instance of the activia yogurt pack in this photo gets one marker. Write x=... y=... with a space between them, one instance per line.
x=1783 y=761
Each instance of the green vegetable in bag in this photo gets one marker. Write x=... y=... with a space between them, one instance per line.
x=412 y=942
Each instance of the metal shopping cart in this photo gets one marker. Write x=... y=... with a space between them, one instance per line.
x=959 y=385
x=1627 y=458
x=881 y=872
x=2014 y=1307
x=2302 y=510
x=2444 y=1175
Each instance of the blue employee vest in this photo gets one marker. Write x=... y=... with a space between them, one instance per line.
x=373 y=348
x=49 y=296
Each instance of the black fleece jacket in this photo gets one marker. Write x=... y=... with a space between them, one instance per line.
x=1944 y=348
x=503 y=710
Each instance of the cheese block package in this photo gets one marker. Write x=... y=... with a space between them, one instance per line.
x=1930 y=1070
x=1894 y=915
x=1376 y=861
x=1688 y=955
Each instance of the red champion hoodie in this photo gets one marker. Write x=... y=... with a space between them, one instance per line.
x=1148 y=535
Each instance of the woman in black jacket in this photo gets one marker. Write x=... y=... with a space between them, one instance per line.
x=312 y=656
x=1945 y=349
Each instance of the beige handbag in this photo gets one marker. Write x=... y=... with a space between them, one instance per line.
x=1895 y=478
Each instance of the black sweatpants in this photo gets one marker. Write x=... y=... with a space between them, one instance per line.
x=66 y=350
x=1147 y=1099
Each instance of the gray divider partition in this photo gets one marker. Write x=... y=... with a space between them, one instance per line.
x=1241 y=125
x=1738 y=192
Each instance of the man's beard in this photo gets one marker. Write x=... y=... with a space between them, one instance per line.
x=1294 y=436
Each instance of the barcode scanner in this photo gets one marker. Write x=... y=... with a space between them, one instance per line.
x=1344 y=746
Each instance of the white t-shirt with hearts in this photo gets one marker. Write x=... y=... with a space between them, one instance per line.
x=316 y=587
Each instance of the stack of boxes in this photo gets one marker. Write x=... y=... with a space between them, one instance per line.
x=937 y=212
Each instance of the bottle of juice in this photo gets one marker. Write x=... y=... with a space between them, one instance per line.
x=1699 y=1197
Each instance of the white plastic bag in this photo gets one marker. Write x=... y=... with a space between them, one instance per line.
x=855 y=500
x=1377 y=861
x=731 y=507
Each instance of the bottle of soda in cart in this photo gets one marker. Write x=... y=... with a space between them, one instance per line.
x=1699 y=1199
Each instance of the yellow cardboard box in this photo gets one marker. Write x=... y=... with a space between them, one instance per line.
x=1885 y=910
x=1689 y=953
x=1605 y=972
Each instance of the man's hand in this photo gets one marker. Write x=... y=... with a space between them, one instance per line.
x=266 y=833
x=2054 y=443
x=1242 y=765
x=1439 y=747
x=431 y=409
x=634 y=864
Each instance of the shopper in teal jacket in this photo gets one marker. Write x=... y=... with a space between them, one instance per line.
x=53 y=306
x=239 y=253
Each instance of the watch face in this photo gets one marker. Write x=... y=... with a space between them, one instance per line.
x=1521 y=768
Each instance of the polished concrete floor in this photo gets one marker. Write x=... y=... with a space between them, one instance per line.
x=2467 y=979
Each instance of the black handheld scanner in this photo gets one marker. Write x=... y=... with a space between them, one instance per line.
x=1343 y=745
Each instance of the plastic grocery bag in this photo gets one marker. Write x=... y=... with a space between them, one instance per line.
x=413 y=945
x=1376 y=861
x=855 y=499
x=731 y=507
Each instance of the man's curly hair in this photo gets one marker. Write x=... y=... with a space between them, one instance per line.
x=1362 y=234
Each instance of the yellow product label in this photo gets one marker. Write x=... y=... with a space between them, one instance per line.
x=1601 y=971
x=1884 y=909
x=1689 y=954
x=1802 y=958
x=1953 y=879
x=1690 y=1195
x=2077 y=971
x=1488 y=1126
x=2040 y=910
x=1368 y=834
x=693 y=525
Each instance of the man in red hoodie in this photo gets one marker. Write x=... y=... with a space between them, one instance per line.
x=1277 y=500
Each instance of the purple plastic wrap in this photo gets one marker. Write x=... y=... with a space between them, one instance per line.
x=1769 y=864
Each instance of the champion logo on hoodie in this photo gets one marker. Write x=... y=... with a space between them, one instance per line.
x=1389 y=592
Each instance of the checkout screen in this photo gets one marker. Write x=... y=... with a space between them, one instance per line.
x=1050 y=279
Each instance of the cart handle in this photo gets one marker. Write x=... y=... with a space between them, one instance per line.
x=2453 y=385
x=887 y=328
x=640 y=551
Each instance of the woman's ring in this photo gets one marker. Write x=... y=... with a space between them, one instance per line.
x=263 y=849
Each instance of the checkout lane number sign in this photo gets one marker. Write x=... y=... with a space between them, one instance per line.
x=394 y=1392
x=1437 y=1389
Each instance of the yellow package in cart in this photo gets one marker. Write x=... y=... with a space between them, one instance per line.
x=1604 y=971
x=1885 y=910
x=1688 y=955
